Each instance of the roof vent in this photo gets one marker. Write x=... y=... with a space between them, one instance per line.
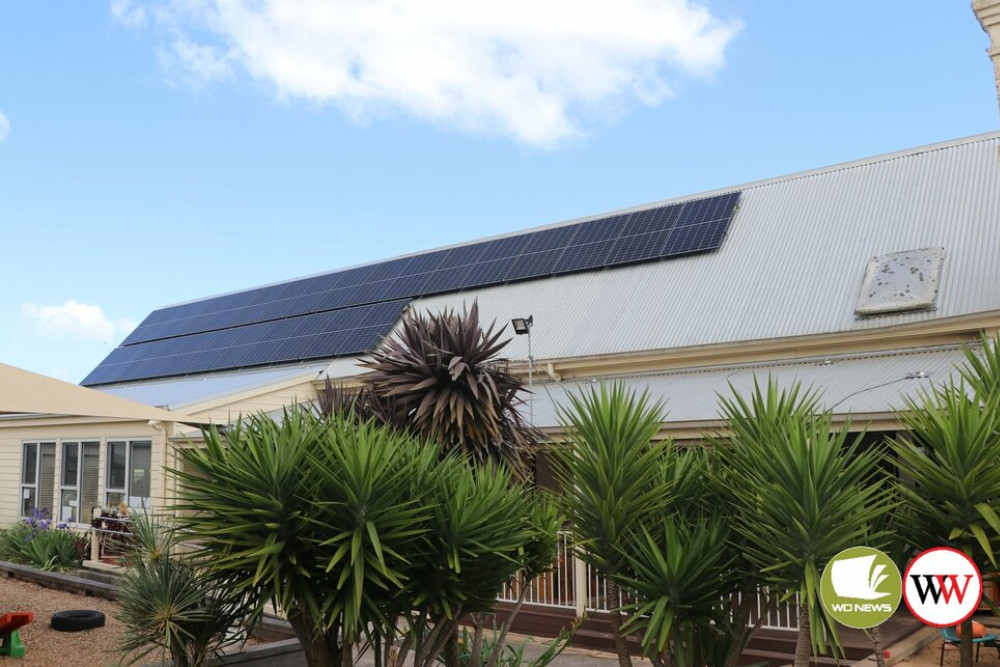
x=901 y=281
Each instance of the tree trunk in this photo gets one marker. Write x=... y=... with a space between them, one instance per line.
x=500 y=640
x=621 y=645
x=965 y=646
x=314 y=644
x=742 y=632
x=803 y=642
x=476 y=650
x=877 y=645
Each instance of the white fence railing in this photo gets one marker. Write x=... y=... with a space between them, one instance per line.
x=573 y=584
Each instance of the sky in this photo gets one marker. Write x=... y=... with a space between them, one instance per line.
x=158 y=152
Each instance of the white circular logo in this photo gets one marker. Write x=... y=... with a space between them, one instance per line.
x=942 y=587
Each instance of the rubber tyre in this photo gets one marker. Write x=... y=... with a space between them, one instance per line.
x=76 y=620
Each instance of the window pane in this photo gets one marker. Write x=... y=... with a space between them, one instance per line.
x=47 y=478
x=116 y=465
x=30 y=466
x=71 y=461
x=89 y=497
x=142 y=457
x=27 y=500
x=115 y=498
x=68 y=510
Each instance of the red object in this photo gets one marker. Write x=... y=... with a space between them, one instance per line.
x=11 y=622
x=978 y=629
x=887 y=654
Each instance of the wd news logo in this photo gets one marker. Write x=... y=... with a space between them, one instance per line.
x=942 y=587
x=860 y=587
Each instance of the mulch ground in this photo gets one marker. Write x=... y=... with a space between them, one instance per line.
x=49 y=648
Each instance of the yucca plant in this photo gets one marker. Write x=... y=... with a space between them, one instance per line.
x=682 y=573
x=951 y=466
x=613 y=480
x=168 y=601
x=355 y=530
x=318 y=516
x=981 y=370
x=801 y=492
x=439 y=378
x=483 y=532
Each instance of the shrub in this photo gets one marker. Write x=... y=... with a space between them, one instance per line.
x=37 y=541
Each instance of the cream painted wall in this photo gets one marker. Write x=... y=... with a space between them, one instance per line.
x=266 y=400
x=14 y=433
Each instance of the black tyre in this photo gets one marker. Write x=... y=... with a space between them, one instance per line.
x=75 y=620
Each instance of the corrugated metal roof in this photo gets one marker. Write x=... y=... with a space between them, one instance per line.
x=792 y=264
x=178 y=392
x=849 y=384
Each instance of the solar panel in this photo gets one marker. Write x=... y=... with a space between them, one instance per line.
x=348 y=331
x=462 y=256
x=695 y=238
x=489 y=273
x=583 y=257
x=322 y=316
x=635 y=248
x=446 y=280
x=551 y=239
x=534 y=265
x=652 y=220
x=710 y=208
x=605 y=229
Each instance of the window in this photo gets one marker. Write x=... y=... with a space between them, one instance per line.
x=38 y=473
x=128 y=475
x=78 y=492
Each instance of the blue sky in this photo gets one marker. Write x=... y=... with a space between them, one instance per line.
x=158 y=152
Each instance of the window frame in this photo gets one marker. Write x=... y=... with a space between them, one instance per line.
x=126 y=491
x=36 y=485
x=81 y=446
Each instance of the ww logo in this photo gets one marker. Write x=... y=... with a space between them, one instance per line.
x=942 y=587
x=939 y=587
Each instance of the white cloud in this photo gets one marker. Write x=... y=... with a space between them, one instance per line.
x=533 y=70
x=75 y=320
x=4 y=126
x=128 y=14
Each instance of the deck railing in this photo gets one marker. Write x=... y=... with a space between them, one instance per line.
x=573 y=584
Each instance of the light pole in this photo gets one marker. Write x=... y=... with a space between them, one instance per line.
x=522 y=327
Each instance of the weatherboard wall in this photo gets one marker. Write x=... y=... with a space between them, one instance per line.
x=15 y=432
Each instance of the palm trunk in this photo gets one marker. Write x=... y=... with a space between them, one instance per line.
x=803 y=642
x=742 y=632
x=476 y=651
x=621 y=645
x=314 y=645
x=965 y=646
x=500 y=641
x=877 y=645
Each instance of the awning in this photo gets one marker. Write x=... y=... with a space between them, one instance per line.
x=848 y=384
x=24 y=392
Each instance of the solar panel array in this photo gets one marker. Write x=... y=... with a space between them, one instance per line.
x=348 y=312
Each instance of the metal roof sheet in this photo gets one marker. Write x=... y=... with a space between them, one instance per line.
x=176 y=392
x=792 y=264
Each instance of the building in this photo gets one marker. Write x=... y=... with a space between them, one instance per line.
x=862 y=279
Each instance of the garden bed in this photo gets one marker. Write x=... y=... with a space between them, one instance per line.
x=47 y=647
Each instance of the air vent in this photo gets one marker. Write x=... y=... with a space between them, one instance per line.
x=901 y=281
